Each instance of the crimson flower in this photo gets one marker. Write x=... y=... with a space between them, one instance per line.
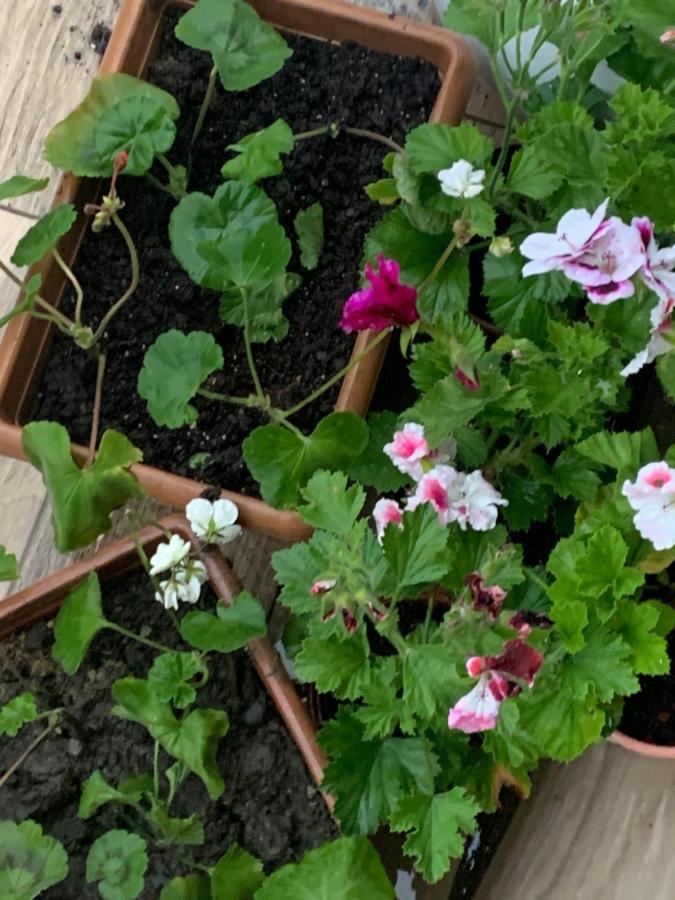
x=386 y=303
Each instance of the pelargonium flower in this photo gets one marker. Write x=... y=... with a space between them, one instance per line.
x=661 y=339
x=407 y=450
x=525 y=620
x=600 y=254
x=170 y=555
x=462 y=180
x=184 y=586
x=476 y=711
x=434 y=487
x=652 y=496
x=668 y=36
x=657 y=271
x=386 y=512
x=214 y=522
x=387 y=303
x=467 y=499
x=484 y=598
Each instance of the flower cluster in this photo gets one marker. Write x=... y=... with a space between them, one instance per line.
x=652 y=496
x=387 y=303
x=185 y=575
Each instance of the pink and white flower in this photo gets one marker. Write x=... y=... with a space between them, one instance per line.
x=661 y=339
x=408 y=449
x=476 y=711
x=438 y=488
x=652 y=496
x=600 y=254
x=658 y=269
x=386 y=512
x=467 y=499
x=387 y=303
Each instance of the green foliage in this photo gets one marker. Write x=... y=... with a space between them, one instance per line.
x=665 y=367
x=532 y=174
x=78 y=622
x=230 y=629
x=236 y=876
x=44 y=235
x=9 y=567
x=248 y=259
x=477 y=18
x=192 y=887
x=416 y=554
x=174 y=368
x=193 y=740
x=346 y=869
x=18 y=185
x=119 y=113
x=263 y=305
x=283 y=461
x=30 y=861
x=438 y=824
x=625 y=451
x=82 y=499
x=16 y=713
x=172 y=676
x=432 y=147
x=259 y=153
x=118 y=861
x=329 y=504
x=339 y=667
x=245 y=49
x=308 y=226
x=373 y=468
x=96 y=792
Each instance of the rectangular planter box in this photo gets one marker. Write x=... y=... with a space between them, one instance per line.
x=132 y=46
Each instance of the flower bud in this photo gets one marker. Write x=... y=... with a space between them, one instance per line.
x=501 y=246
x=668 y=37
x=461 y=228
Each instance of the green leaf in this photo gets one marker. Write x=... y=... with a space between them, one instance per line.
x=174 y=368
x=96 y=792
x=604 y=666
x=438 y=824
x=665 y=368
x=625 y=451
x=18 y=185
x=192 y=887
x=345 y=869
x=30 y=861
x=82 y=499
x=44 y=235
x=192 y=740
x=416 y=554
x=172 y=674
x=443 y=299
x=282 y=462
x=329 y=504
x=489 y=552
x=248 y=259
x=245 y=49
x=230 y=629
x=532 y=175
x=373 y=468
x=383 y=191
x=139 y=125
x=338 y=667
x=432 y=147
x=235 y=213
x=186 y=832
x=16 y=713
x=308 y=226
x=478 y=18
x=429 y=685
x=529 y=499
x=259 y=153
x=369 y=778
x=236 y=876
x=78 y=622
x=638 y=625
x=9 y=567
x=118 y=861
x=73 y=144
x=264 y=307
x=571 y=476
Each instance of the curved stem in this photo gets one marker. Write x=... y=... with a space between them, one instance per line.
x=96 y=416
x=135 y=277
x=374 y=136
x=137 y=637
x=27 y=752
x=312 y=133
x=337 y=377
x=249 y=350
x=155 y=770
x=19 y=212
x=77 y=287
x=228 y=398
x=206 y=103
x=155 y=182
x=431 y=277
x=336 y=128
x=56 y=314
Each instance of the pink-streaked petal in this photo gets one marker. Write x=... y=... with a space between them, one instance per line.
x=476 y=711
x=605 y=294
x=541 y=266
x=543 y=246
x=387 y=512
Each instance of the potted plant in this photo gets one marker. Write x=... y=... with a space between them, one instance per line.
x=178 y=326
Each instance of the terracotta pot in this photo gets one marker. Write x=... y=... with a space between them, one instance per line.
x=133 y=43
x=43 y=600
x=656 y=751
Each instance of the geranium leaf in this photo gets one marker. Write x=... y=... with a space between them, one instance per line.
x=283 y=462
x=230 y=629
x=438 y=824
x=432 y=147
x=625 y=451
x=174 y=368
x=248 y=259
x=72 y=144
x=245 y=49
x=338 y=667
x=139 y=125
x=235 y=212
x=96 y=792
x=665 y=368
x=192 y=740
x=82 y=499
x=30 y=861
x=16 y=713
x=638 y=626
x=187 y=831
x=604 y=666
x=329 y=504
x=259 y=153
x=18 y=185
x=192 y=887
x=373 y=468
x=345 y=869
x=264 y=305
x=308 y=226
x=78 y=622
x=532 y=175
x=416 y=554
x=172 y=674
x=9 y=567
x=236 y=876
x=118 y=861
x=44 y=235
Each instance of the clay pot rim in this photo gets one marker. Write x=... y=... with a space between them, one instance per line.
x=642 y=748
x=43 y=599
x=25 y=341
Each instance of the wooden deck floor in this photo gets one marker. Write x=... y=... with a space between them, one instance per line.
x=602 y=828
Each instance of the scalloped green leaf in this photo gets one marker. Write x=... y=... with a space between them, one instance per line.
x=237 y=875
x=230 y=629
x=259 y=154
x=30 y=861
x=78 y=622
x=19 y=711
x=44 y=235
x=9 y=567
x=247 y=258
x=308 y=226
x=265 y=307
x=139 y=125
x=18 y=185
x=118 y=861
x=432 y=147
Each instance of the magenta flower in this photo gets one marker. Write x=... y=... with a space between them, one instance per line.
x=387 y=303
x=652 y=496
x=600 y=254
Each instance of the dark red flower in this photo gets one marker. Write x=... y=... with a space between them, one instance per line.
x=525 y=620
x=385 y=304
x=485 y=599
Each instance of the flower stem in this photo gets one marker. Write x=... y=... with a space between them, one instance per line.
x=206 y=103
x=249 y=350
x=96 y=416
x=155 y=771
x=336 y=128
x=135 y=278
x=314 y=132
x=55 y=314
x=162 y=648
x=155 y=182
x=19 y=212
x=337 y=377
x=228 y=398
x=77 y=287
x=374 y=136
x=431 y=277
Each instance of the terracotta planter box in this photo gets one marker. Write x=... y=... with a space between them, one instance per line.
x=132 y=46
x=655 y=751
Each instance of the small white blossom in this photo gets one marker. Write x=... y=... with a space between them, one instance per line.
x=652 y=496
x=501 y=246
x=462 y=180
x=169 y=556
x=184 y=586
x=213 y=522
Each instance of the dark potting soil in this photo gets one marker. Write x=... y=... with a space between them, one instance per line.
x=320 y=83
x=650 y=714
x=270 y=805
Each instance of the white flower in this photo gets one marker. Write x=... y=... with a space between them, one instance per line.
x=184 y=586
x=467 y=499
x=213 y=522
x=462 y=180
x=661 y=338
x=652 y=496
x=169 y=556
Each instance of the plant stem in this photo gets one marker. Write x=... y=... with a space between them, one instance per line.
x=96 y=415
x=249 y=350
x=56 y=316
x=314 y=132
x=206 y=103
x=27 y=752
x=374 y=136
x=135 y=277
x=155 y=182
x=162 y=648
x=337 y=377
x=228 y=398
x=155 y=770
x=77 y=287
x=19 y=212
x=431 y=277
